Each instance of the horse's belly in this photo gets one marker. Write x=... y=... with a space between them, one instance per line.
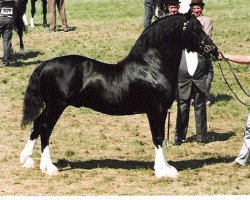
x=124 y=106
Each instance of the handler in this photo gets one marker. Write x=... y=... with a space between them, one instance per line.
x=7 y=13
x=244 y=155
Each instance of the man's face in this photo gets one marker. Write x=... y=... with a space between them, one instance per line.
x=173 y=9
x=197 y=10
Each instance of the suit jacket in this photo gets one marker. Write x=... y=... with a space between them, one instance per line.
x=202 y=77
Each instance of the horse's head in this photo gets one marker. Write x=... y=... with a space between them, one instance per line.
x=195 y=39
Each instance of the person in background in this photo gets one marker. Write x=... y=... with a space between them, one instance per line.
x=173 y=7
x=244 y=155
x=61 y=8
x=153 y=8
x=7 y=15
x=197 y=7
x=194 y=82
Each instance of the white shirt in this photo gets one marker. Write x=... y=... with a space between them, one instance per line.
x=192 y=61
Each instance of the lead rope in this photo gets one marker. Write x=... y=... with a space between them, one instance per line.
x=235 y=79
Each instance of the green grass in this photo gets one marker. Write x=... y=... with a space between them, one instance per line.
x=107 y=155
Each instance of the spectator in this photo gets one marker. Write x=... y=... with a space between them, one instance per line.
x=61 y=8
x=244 y=155
x=197 y=7
x=6 y=27
x=153 y=8
x=173 y=7
x=194 y=82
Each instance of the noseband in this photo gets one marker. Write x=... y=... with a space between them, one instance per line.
x=206 y=48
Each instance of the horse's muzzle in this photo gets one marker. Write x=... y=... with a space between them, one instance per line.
x=214 y=51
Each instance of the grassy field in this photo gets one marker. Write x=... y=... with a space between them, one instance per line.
x=107 y=155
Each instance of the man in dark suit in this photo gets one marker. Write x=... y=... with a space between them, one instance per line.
x=194 y=82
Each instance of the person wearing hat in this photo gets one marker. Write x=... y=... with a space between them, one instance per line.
x=194 y=82
x=173 y=7
x=197 y=7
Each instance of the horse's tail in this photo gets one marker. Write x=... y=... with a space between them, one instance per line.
x=33 y=101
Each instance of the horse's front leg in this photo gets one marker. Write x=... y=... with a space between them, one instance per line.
x=157 y=125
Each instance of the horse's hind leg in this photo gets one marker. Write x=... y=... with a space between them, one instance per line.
x=33 y=11
x=157 y=120
x=44 y=2
x=25 y=21
x=43 y=126
x=25 y=157
x=20 y=34
x=46 y=126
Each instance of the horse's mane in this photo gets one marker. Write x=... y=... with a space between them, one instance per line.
x=156 y=35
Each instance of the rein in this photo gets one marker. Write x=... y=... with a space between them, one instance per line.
x=230 y=67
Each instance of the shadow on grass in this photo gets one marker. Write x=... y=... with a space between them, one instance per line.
x=219 y=98
x=19 y=60
x=65 y=165
x=213 y=137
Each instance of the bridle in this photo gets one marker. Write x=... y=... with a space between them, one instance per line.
x=203 y=46
x=206 y=48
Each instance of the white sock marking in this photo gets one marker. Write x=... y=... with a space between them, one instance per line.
x=25 y=156
x=32 y=22
x=162 y=168
x=25 y=20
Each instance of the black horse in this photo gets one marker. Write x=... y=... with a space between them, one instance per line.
x=33 y=12
x=143 y=82
x=19 y=25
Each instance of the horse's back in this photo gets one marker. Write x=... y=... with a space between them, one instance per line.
x=107 y=88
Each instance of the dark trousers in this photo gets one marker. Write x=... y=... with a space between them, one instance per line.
x=6 y=28
x=148 y=12
x=200 y=110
